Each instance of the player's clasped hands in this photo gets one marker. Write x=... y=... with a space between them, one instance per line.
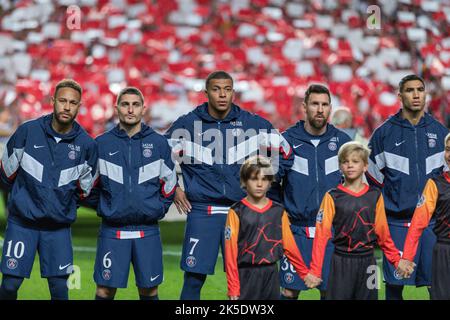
x=405 y=268
x=312 y=281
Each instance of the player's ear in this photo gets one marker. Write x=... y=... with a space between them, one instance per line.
x=304 y=106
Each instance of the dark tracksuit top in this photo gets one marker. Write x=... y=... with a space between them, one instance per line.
x=311 y=170
x=403 y=157
x=211 y=164
x=49 y=173
x=137 y=177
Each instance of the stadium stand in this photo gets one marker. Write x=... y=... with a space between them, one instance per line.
x=273 y=48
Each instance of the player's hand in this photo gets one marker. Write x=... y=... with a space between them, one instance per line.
x=234 y=297
x=181 y=202
x=405 y=268
x=312 y=281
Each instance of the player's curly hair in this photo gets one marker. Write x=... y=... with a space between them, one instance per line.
x=68 y=83
x=253 y=166
x=447 y=139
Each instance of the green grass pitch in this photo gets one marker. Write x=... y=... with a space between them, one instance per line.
x=84 y=233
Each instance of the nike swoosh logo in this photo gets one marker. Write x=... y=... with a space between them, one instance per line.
x=295 y=147
x=113 y=153
x=154 y=278
x=399 y=143
x=37 y=147
x=63 y=267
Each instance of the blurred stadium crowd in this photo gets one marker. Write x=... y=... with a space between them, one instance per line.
x=273 y=48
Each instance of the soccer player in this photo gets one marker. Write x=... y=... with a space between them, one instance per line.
x=137 y=185
x=435 y=203
x=49 y=163
x=256 y=235
x=356 y=213
x=213 y=141
x=405 y=153
x=310 y=171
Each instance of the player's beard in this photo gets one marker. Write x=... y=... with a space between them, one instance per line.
x=318 y=123
x=64 y=121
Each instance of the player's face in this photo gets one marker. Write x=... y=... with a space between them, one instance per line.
x=257 y=185
x=317 y=110
x=65 y=105
x=413 y=96
x=353 y=167
x=220 y=95
x=130 y=110
x=447 y=153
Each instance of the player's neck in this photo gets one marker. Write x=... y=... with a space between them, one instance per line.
x=412 y=116
x=259 y=202
x=314 y=131
x=356 y=185
x=218 y=115
x=59 y=128
x=130 y=130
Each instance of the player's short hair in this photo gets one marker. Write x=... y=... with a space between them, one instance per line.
x=409 y=77
x=129 y=90
x=316 y=88
x=353 y=146
x=68 y=83
x=447 y=139
x=255 y=165
x=219 y=74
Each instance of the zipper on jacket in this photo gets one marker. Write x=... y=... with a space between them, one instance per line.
x=317 y=177
x=417 y=157
x=129 y=165
x=221 y=165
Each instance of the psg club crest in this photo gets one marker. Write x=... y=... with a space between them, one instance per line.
x=288 y=277
x=191 y=261
x=332 y=146
x=147 y=153
x=12 y=263
x=431 y=143
x=236 y=132
x=106 y=274
x=73 y=151
x=72 y=155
